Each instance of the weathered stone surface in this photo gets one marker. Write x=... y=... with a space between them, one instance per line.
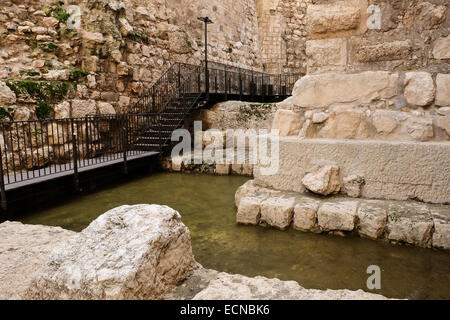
x=23 y=250
x=331 y=18
x=22 y=114
x=57 y=75
x=105 y=108
x=419 y=88
x=441 y=48
x=410 y=223
x=305 y=214
x=345 y=122
x=287 y=122
x=326 y=54
x=443 y=119
x=278 y=212
x=337 y=215
x=392 y=170
x=223 y=169
x=372 y=215
x=7 y=96
x=62 y=110
x=386 y=51
x=425 y=16
x=249 y=211
x=420 y=129
x=224 y=286
x=324 y=180
x=385 y=121
x=441 y=219
x=324 y=90
x=131 y=252
x=443 y=90
x=352 y=185
x=82 y=108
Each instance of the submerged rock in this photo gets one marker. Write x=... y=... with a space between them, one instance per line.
x=131 y=252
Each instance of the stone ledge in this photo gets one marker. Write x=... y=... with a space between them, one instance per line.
x=391 y=170
x=407 y=222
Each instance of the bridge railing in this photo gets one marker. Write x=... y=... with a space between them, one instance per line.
x=223 y=79
x=38 y=148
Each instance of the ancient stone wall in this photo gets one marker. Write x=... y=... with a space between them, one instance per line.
x=108 y=52
x=282 y=34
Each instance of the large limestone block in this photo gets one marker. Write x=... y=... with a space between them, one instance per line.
x=236 y=287
x=326 y=55
x=419 y=88
x=392 y=170
x=345 y=122
x=288 y=123
x=367 y=52
x=337 y=215
x=23 y=250
x=324 y=90
x=372 y=216
x=249 y=211
x=441 y=235
x=105 y=108
x=250 y=189
x=443 y=90
x=332 y=18
x=82 y=108
x=305 y=214
x=441 y=49
x=278 y=212
x=324 y=180
x=131 y=252
x=443 y=119
x=7 y=96
x=410 y=223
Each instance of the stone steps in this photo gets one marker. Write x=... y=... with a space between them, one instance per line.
x=415 y=223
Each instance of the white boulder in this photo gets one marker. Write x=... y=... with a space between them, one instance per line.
x=131 y=252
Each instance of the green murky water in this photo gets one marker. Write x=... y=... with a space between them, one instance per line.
x=315 y=261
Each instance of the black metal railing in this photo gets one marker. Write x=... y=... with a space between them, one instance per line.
x=35 y=149
x=223 y=80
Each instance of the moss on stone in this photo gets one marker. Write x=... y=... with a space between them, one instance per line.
x=6 y=113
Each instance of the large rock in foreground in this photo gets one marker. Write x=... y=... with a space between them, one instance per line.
x=23 y=250
x=131 y=252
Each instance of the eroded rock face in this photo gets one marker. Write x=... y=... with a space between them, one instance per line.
x=131 y=252
x=23 y=250
x=305 y=214
x=337 y=216
x=287 y=122
x=441 y=235
x=278 y=212
x=443 y=90
x=324 y=90
x=410 y=223
x=353 y=185
x=325 y=180
x=236 y=287
x=441 y=48
x=7 y=96
x=249 y=211
x=372 y=215
x=419 y=88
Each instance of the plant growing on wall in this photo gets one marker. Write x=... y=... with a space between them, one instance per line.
x=6 y=113
x=45 y=93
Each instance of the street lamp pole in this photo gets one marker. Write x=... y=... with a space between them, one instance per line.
x=207 y=21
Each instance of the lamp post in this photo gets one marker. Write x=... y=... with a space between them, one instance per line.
x=207 y=21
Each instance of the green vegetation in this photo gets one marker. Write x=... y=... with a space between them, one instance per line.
x=48 y=46
x=45 y=92
x=44 y=110
x=60 y=14
x=6 y=113
x=140 y=36
x=76 y=74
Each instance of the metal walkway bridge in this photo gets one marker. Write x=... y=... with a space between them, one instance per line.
x=32 y=152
